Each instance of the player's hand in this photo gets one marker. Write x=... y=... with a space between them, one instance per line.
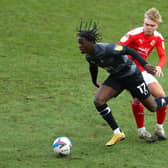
x=150 y=69
x=159 y=72
x=97 y=84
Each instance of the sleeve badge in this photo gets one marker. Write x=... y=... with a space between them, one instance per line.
x=118 y=48
x=163 y=45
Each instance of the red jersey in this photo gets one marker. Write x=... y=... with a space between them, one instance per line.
x=143 y=44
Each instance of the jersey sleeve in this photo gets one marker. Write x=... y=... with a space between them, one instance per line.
x=116 y=49
x=135 y=55
x=125 y=40
x=161 y=53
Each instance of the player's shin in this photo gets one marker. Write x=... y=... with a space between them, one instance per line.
x=161 y=115
x=138 y=111
x=106 y=113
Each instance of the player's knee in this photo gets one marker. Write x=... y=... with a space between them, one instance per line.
x=153 y=107
x=136 y=101
x=99 y=101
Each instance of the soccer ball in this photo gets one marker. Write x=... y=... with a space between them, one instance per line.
x=62 y=146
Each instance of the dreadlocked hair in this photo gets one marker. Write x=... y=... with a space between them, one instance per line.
x=89 y=31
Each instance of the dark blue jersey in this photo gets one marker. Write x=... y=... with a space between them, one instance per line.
x=113 y=58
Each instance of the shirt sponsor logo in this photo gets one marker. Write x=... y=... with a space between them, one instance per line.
x=143 y=51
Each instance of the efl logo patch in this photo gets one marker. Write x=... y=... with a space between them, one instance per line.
x=118 y=48
x=163 y=45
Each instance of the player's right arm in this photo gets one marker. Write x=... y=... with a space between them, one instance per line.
x=126 y=39
x=93 y=69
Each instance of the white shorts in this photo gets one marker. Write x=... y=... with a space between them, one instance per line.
x=149 y=78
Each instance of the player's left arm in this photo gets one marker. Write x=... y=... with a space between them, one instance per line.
x=124 y=50
x=162 y=58
x=149 y=68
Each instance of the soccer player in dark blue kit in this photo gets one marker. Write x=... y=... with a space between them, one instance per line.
x=123 y=74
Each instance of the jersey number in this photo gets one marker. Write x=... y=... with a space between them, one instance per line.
x=142 y=88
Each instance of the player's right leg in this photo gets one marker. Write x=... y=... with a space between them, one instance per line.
x=104 y=94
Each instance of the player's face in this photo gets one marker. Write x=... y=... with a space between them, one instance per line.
x=85 y=46
x=149 y=26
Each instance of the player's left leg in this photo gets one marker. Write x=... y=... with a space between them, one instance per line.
x=138 y=111
x=157 y=91
x=137 y=106
x=140 y=90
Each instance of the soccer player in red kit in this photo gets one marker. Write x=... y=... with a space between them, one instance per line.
x=144 y=40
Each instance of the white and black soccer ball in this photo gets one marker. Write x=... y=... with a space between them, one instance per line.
x=62 y=146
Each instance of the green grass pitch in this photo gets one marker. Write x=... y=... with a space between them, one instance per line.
x=46 y=91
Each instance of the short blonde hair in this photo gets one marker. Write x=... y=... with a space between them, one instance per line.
x=153 y=14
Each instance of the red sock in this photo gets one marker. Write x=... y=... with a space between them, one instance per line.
x=138 y=111
x=161 y=115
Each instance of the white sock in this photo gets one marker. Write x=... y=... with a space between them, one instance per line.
x=141 y=129
x=159 y=126
x=117 y=131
